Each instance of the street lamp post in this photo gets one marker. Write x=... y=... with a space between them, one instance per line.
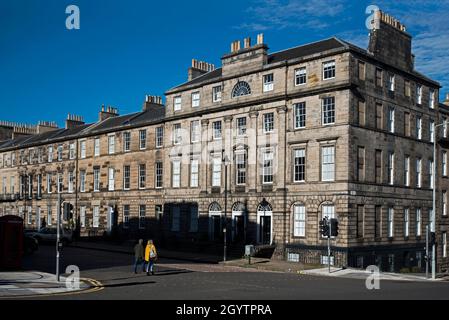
x=226 y=162
x=58 y=235
x=434 y=187
x=264 y=204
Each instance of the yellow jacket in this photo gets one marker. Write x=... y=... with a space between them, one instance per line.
x=148 y=249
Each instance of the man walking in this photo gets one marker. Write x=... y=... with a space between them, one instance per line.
x=138 y=256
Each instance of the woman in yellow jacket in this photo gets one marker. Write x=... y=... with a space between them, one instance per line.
x=150 y=256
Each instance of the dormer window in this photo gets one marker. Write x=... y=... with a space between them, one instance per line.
x=268 y=82
x=242 y=88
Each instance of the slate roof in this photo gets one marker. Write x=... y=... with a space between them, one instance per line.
x=293 y=53
x=310 y=49
x=110 y=124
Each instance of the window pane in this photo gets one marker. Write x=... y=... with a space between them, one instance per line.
x=217 y=129
x=216 y=172
x=240 y=159
x=328 y=163
x=299 y=227
x=328 y=110
x=268 y=122
x=329 y=70
x=299 y=165
x=176 y=178
x=268 y=157
x=300 y=115
x=301 y=76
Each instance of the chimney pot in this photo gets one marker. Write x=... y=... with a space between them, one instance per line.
x=247 y=43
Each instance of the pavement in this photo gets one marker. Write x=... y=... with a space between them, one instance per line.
x=362 y=274
x=36 y=283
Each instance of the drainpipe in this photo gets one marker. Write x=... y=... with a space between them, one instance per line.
x=76 y=214
x=285 y=163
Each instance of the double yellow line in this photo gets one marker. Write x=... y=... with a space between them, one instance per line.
x=95 y=286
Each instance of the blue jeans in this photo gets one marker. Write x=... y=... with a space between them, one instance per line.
x=150 y=265
x=138 y=262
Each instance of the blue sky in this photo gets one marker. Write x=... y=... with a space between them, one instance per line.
x=127 y=49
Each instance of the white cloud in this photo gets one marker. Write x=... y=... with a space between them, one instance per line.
x=277 y=14
x=425 y=20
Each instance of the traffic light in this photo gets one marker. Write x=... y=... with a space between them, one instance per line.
x=68 y=211
x=324 y=228
x=334 y=227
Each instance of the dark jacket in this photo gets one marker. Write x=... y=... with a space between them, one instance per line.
x=138 y=251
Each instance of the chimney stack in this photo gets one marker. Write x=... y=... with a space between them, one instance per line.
x=389 y=41
x=446 y=101
x=73 y=121
x=46 y=126
x=199 y=68
x=107 y=112
x=237 y=61
x=152 y=102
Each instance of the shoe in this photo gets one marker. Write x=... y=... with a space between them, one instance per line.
x=135 y=272
x=152 y=273
x=148 y=273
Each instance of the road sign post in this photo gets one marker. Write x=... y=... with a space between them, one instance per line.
x=427 y=252
x=329 y=245
x=58 y=235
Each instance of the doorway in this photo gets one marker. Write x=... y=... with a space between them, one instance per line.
x=215 y=222
x=238 y=222
x=111 y=218
x=265 y=224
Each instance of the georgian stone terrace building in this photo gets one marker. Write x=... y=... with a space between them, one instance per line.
x=323 y=129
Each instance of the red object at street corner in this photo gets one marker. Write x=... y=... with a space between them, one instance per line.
x=11 y=242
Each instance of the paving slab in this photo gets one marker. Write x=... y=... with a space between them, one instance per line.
x=35 y=283
x=362 y=274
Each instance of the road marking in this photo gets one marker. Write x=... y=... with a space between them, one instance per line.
x=96 y=286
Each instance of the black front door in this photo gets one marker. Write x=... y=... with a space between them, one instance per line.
x=265 y=229
x=216 y=232
x=239 y=228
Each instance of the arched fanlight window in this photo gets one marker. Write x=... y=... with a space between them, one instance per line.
x=264 y=206
x=238 y=207
x=214 y=207
x=328 y=210
x=242 y=88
